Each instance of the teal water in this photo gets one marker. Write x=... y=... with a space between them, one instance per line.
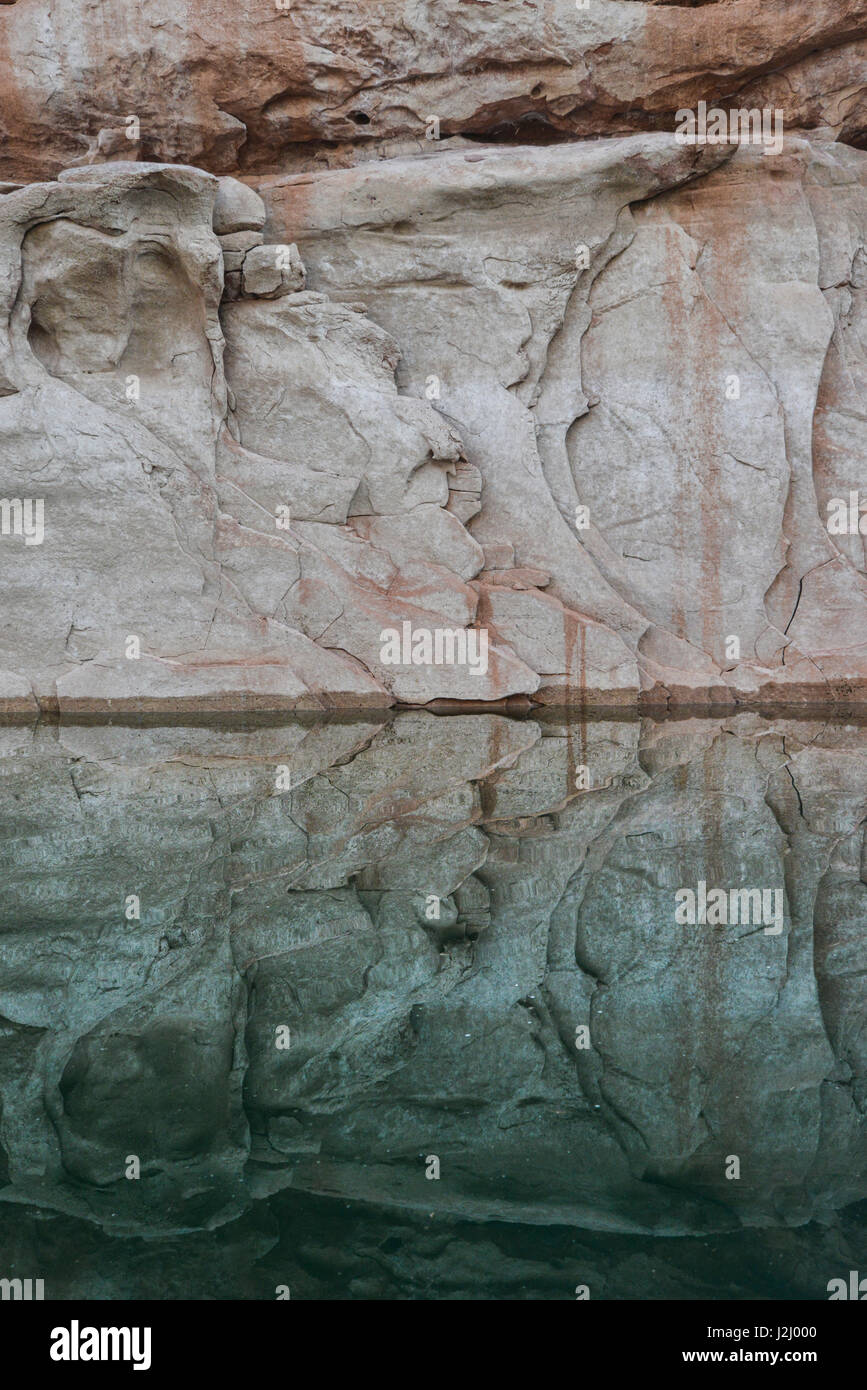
x=402 y=1008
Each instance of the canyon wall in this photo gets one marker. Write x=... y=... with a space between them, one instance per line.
x=329 y=334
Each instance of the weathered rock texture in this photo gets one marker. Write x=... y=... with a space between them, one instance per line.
x=414 y=1032
x=244 y=84
x=608 y=387
x=590 y=397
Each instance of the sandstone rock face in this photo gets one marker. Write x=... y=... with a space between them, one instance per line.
x=266 y=86
x=696 y=387
x=194 y=548
x=410 y=355
x=594 y=403
x=434 y=909
x=466 y=403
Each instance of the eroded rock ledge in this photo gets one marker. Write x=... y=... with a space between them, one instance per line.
x=265 y=86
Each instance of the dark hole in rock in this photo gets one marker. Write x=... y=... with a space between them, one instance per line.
x=531 y=129
x=43 y=344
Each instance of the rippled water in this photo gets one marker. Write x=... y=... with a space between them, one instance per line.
x=423 y=1022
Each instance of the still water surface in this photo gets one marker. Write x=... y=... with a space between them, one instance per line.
x=405 y=1008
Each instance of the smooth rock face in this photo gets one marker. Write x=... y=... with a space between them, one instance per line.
x=452 y=374
x=237 y=208
x=695 y=388
x=436 y=909
x=246 y=486
x=194 y=546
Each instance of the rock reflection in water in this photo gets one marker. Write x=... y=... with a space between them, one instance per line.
x=434 y=915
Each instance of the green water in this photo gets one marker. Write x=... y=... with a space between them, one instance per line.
x=401 y=1009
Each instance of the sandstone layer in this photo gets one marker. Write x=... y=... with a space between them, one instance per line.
x=320 y=324
x=259 y=85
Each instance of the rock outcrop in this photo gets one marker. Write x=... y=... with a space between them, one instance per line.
x=502 y=359
x=698 y=388
x=410 y=355
x=277 y=84
x=196 y=478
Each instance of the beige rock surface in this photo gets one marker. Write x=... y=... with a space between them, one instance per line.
x=196 y=546
x=698 y=388
x=449 y=334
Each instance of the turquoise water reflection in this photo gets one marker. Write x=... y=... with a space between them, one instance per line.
x=402 y=1009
